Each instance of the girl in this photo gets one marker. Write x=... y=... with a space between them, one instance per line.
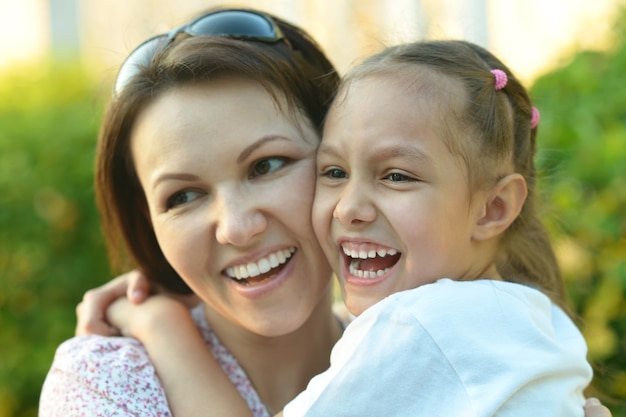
x=425 y=207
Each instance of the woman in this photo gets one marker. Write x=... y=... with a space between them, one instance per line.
x=248 y=109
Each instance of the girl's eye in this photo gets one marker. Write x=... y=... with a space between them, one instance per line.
x=334 y=173
x=180 y=198
x=267 y=166
x=398 y=177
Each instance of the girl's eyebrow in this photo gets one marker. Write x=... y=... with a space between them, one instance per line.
x=326 y=149
x=386 y=152
x=410 y=152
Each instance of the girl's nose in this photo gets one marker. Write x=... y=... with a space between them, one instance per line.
x=354 y=206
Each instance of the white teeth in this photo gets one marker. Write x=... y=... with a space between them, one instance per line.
x=261 y=266
x=366 y=274
x=253 y=269
x=264 y=265
x=243 y=271
x=366 y=251
x=372 y=253
x=274 y=260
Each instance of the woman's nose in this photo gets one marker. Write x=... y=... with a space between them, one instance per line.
x=238 y=220
x=354 y=206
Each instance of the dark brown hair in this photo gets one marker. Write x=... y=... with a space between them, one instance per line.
x=297 y=69
x=498 y=121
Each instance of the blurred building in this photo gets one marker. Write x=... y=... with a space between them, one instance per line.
x=529 y=35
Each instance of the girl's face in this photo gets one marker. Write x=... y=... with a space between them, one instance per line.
x=229 y=180
x=392 y=208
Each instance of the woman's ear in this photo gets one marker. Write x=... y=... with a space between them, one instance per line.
x=502 y=206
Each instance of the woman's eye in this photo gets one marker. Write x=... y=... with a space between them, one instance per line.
x=180 y=198
x=267 y=166
x=334 y=173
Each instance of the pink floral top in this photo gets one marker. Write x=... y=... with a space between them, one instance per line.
x=113 y=376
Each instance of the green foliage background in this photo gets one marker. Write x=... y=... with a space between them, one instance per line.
x=50 y=245
x=582 y=139
x=51 y=249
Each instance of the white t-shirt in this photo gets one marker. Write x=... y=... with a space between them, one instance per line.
x=477 y=348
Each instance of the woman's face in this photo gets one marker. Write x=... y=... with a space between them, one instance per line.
x=229 y=180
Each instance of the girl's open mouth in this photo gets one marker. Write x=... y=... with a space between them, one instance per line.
x=366 y=260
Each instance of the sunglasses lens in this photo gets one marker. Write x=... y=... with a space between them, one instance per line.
x=140 y=57
x=227 y=23
x=235 y=23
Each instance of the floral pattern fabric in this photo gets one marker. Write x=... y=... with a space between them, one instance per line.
x=113 y=376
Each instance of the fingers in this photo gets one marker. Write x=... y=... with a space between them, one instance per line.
x=88 y=322
x=138 y=287
x=594 y=408
x=90 y=312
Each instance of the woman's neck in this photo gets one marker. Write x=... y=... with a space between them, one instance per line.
x=280 y=367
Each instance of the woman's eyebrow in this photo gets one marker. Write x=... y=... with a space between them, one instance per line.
x=251 y=148
x=173 y=176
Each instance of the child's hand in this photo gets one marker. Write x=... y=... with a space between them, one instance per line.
x=91 y=311
x=158 y=315
x=593 y=408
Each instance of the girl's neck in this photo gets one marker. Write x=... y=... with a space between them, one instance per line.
x=280 y=367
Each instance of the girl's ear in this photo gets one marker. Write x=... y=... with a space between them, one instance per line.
x=502 y=206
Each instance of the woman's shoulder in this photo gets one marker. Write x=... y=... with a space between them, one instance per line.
x=89 y=354
x=96 y=375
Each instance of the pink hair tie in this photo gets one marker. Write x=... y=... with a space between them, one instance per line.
x=534 y=120
x=501 y=78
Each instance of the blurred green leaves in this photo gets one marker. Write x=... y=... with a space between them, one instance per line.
x=50 y=245
x=582 y=142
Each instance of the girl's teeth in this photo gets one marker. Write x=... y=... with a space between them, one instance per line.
x=366 y=274
x=372 y=253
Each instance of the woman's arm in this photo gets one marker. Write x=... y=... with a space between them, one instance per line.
x=194 y=383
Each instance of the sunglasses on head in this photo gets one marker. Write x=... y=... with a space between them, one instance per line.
x=231 y=23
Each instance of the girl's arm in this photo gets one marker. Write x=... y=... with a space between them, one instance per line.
x=91 y=311
x=194 y=383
